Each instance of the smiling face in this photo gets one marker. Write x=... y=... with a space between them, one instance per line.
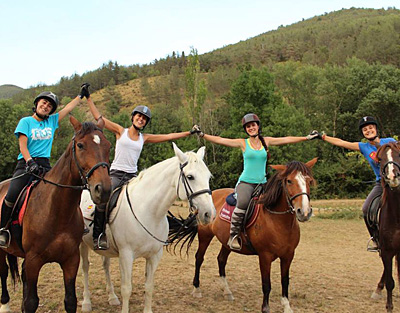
x=369 y=131
x=44 y=107
x=139 y=120
x=252 y=128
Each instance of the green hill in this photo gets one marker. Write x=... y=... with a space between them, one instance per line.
x=7 y=91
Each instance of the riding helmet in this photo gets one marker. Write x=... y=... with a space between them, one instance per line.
x=48 y=95
x=367 y=120
x=142 y=109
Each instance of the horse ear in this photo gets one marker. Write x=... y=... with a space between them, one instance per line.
x=311 y=163
x=278 y=167
x=181 y=156
x=77 y=125
x=201 y=152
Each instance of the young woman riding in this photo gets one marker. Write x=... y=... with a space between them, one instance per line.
x=368 y=127
x=254 y=150
x=35 y=137
x=129 y=145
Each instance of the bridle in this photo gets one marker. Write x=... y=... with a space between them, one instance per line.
x=85 y=177
x=383 y=170
x=289 y=200
x=190 y=194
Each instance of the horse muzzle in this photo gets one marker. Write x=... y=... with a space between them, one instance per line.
x=100 y=193
x=303 y=215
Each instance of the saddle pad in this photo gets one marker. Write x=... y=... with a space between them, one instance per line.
x=226 y=214
x=22 y=210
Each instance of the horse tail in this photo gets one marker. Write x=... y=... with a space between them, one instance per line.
x=181 y=231
x=13 y=266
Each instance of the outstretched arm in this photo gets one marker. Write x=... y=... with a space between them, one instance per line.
x=156 y=138
x=68 y=108
x=278 y=141
x=341 y=143
x=234 y=143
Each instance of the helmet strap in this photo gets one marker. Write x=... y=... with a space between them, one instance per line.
x=43 y=117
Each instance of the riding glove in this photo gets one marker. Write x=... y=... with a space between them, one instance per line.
x=32 y=167
x=314 y=135
x=84 y=91
x=196 y=130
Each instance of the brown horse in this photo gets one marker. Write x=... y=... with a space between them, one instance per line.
x=53 y=224
x=389 y=218
x=275 y=233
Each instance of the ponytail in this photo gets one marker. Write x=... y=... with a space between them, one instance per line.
x=260 y=136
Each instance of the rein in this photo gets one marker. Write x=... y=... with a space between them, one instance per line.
x=289 y=200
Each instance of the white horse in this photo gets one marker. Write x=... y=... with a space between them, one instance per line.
x=138 y=226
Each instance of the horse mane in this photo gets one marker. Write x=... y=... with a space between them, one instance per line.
x=392 y=145
x=273 y=189
x=87 y=128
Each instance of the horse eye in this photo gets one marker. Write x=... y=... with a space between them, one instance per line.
x=79 y=145
x=190 y=177
x=289 y=182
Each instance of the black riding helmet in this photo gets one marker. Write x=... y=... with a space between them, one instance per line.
x=142 y=109
x=48 y=95
x=367 y=120
x=248 y=118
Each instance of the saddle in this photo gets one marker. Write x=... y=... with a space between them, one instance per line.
x=372 y=217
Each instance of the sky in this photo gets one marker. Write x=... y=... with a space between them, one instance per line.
x=42 y=41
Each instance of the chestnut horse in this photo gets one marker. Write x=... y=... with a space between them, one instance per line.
x=389 y=218
x=53 y=225
x=275 y=233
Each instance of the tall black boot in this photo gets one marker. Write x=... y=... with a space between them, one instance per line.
x=4 y=232
x=99 y=234
x=234 y=241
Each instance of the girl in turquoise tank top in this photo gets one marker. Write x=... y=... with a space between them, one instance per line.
x=255 y=156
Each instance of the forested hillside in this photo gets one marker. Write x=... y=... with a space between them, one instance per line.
x=7 y=91
x=322 y=73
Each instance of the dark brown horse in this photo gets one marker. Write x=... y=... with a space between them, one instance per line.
x=275 y=233
x=53 y=224
x=389 y=219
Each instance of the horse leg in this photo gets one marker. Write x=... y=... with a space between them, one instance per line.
x=265 y=261
x=151 y=266
x=30 y=273
x=204 y=242
x=389 y=282
x=84 y=252
x=112 y=298
x=285 y=267
x=126 y=259
x=222 y=259
x=70 y=269
x=5 y=297
x=377 y=294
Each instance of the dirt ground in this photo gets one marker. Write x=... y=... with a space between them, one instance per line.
x=331 y=272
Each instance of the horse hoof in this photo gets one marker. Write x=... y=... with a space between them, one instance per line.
x=87 y=307
x=229 y=297
x=196 y=293
x=5 y=308
x=114 y=301
x=376 y=296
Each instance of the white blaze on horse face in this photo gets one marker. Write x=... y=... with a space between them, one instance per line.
x=305 y=203
x=96 y=139
x=390 y=166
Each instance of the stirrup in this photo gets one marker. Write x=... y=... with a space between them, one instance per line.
x=372 y=245
x=235 y=242
x=5 y=232
x=101 y=243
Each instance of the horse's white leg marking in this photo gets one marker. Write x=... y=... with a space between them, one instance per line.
x=112 y=298
x=225 y=287
x=286 y=305
x=196 y=293
x=86 y=303
x=151 y=266
x=125 y=265
x=5 y=308
x=377 y=295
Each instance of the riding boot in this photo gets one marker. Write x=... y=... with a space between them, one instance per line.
x=4 y=232
x=234 y=241
x=99 y=234
x=373 y=242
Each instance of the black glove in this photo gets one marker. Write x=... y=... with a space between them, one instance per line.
x=314 y=135
x=196 y=130
x=32 y=167
x=84 y=91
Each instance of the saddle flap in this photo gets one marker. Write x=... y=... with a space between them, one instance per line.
x=226 y=211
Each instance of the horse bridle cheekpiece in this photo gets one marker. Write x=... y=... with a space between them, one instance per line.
x=86 y=177
x=383 y=169
x=189 y=191
x=290 y=199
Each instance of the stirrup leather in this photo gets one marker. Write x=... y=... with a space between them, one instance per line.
x=5 y=230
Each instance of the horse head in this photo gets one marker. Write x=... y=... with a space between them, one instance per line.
x=388 y=156
x=194 y=184
x=91 y=151
x=296 y=180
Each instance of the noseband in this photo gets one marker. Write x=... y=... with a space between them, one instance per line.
x=85 y=177
x=189 y=191
x=383 y=170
